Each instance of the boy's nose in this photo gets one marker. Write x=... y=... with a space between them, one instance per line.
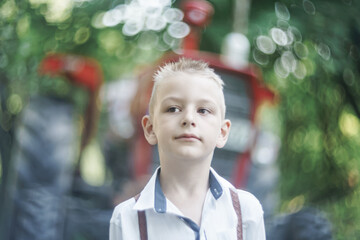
x=188 y=120
x=186 y=123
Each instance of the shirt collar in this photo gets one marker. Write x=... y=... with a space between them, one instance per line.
x=153 y=196
x=215 y=186
x=160 y=199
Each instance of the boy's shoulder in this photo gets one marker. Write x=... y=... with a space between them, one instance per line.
x=250 y=206
x=127 y=204
x=247 y=200
x=124 y=208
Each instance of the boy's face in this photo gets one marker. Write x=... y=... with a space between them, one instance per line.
x=187 y=119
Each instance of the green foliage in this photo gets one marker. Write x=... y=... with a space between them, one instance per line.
x=31 y=29
x=319 y=159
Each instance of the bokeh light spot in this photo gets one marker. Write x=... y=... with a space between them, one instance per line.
x=265 y=44
x=82 y=35
x=349 y=124
x=300 y=70
x=295 y=33
x=313 y=139
x=260 y=57
x=298 y=138
x=23 y=25
x=126 y=50
x=279 y=69
x=169 y=40
x=147 y=40
x=173 y=15
x=309 y=7
x=288 y=61
x=282 y=24
x=113 y=17
x=154 y=3
x=58 y=11
x=97 y=20
x=178 y=29
x=282 y=11
x=144 y=15
x=162 y=46
x=133 y=27
x=157 y=23
x=154 y=11
x=8 y=9
x=279 y=36
x=323 y=50
x=14 y=104
x=92 y=166
x=296 y=203
x=301 y=50
x=310 y=66
x=110 y=41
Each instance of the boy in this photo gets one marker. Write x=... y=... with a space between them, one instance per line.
x=186 y=198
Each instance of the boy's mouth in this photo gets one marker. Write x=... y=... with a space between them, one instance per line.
x=188 y=137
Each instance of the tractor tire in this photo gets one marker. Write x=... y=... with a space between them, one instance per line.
x=43 y=155
x=306 y=224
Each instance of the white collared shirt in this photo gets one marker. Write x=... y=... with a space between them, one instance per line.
x=165 y=221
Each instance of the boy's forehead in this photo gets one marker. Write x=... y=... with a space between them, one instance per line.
x=185 y=86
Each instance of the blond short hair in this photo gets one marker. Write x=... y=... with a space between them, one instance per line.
x=190 y=66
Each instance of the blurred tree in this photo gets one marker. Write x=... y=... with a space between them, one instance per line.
x=309 y=52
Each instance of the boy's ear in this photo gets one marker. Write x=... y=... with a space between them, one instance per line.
x=148 y=130
x=224 y=134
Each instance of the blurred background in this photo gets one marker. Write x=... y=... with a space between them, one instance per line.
x=75 y=78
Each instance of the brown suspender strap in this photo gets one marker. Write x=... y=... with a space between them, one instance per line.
x=235 y=202
x=142 y=222
x=142 y=225
x=237 y=208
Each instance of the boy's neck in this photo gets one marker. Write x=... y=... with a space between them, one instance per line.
x=186 y=186
x=184 y=179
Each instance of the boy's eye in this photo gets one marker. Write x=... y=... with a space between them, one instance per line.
x=173 y=109
x=203 y=111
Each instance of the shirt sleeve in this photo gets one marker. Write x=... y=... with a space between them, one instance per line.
x=253 y=216
x=260 y=227
x=115 y=231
